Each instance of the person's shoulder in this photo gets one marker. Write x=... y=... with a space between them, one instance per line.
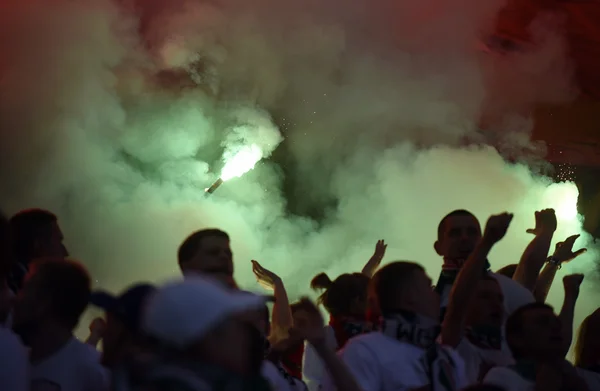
x=363 y=345
x=515 y=294
x=502 y=377
x=10 y=344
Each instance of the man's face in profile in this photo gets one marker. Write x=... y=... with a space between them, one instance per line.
x=213 y=256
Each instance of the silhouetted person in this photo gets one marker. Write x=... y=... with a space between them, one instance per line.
x=14 y=369
x=36 y=234
x=207 y=252
x=536 y=338
x=54 y=295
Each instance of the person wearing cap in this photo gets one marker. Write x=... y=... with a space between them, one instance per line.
x=202 y=337
x=121 y=335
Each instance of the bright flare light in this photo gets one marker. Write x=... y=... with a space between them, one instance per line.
x=563 y=197
x=242 y=162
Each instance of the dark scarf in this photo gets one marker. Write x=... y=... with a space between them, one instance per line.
x=450 y=270
x=422 y=332
x=345 y=329
x=485 y=337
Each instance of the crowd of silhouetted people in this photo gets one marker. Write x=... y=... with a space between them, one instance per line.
x=389 y=327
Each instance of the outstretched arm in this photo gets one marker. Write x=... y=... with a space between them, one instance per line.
x=375 y=260
x=466 y=281
x=281 y=318
x=562 y=254
x=535 y=254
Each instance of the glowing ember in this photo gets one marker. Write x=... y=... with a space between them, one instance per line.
x=242 y=162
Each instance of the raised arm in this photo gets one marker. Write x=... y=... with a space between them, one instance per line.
x=562 y=254
x=375 y=260
x=466 y=281
x=536 y=252
x=281 y=319
x=313 y=331
x=572 y=283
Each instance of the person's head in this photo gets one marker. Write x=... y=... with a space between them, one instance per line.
x=508 y=270
x=458 y=233
x=207 y=252
x=404 y=286
x=534 y=332
x=122 y=330
x=198 y=320
x=487 y=305
x=587 y=347
x=55 y=294
x=36 y=234
x=346 y=296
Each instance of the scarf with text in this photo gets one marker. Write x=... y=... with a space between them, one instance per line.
x=485 y=337
x=344 y=329
x=420 y=331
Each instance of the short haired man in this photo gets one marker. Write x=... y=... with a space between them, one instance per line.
x=404 y=354
x=36 y=234
x=54 y=295
x=459 y=232
x=207 y=252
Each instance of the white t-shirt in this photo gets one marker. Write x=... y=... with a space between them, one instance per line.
x=14 y=367
x=75 y=367
x=508 y=379
x=515 y=294
x=479 y=361
x=277 y=381
x=592 y=379
x=380 y=363
x=313 y=369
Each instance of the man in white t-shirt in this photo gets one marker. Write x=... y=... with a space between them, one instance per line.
x=536 y=338
x=475 y=313
x=404 y=355
x=458 y=234
x=48 y=308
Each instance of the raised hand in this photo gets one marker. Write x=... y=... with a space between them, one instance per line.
x=375 y=260
x=572 y=283
x=545 y=222
x=266 y=278
x=496 y=227
x=380 y=248
x=564 y=250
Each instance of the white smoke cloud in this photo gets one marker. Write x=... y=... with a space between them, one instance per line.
x=373 y=101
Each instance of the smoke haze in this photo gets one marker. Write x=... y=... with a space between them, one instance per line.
x=116 y=118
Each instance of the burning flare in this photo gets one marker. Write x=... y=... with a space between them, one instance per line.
x=241 y=162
